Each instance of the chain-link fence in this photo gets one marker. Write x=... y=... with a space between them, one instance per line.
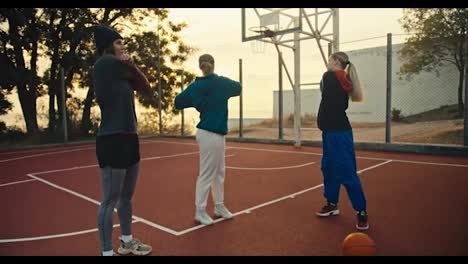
x=424 y=108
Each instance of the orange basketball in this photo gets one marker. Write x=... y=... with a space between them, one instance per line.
x=358 y=244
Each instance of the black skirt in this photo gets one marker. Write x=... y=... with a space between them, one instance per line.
x=118 y=151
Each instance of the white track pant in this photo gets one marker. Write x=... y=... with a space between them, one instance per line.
x=212 y=168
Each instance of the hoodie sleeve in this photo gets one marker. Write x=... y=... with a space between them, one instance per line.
x=184 y=99
x=344 y=80
x=137 y=79
x=233 y=87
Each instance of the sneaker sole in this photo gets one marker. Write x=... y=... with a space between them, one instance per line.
x=200 y=222
x=137 y=253
x=217 y=215
x=331 y=213
x=362 y=228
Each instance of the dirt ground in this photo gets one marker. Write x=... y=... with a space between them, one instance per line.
x=446 y=132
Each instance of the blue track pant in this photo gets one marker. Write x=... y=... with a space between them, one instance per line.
x=339 y=167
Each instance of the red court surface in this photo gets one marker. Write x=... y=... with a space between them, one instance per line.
x=417 y=204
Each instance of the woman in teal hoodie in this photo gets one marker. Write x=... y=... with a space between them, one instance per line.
x=209 y=94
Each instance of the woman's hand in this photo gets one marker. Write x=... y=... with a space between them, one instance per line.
x=125 y=57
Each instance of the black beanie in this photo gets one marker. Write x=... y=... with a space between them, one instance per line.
x=104 y=37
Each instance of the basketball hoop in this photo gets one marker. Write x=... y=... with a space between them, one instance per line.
x=264 y=32
x=258 y=46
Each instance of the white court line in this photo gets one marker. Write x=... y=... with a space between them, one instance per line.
x=160 y=227
x=144 y=159
x=432 y=163
x=84 y=197
x=66 y=169
x=55 y=152
x=168 y=230
x=319 y=154
x=277 y=168
x=95 y=165
x=289 y=196
x=16 y=182
x=12 y=240
x=375 y=166
x=47 y=150
x=45 y=154
x=79 y=195
x=171 y=156
x=173 y=142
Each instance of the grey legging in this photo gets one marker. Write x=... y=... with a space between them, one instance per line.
x=118 y=185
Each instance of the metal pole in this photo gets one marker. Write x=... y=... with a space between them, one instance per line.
x=388 y=121
x=336 y=29
x=241 y=113
x=465 y=126
x=330 y=49
x=284 y=65
x=243 y=22
x=280 y=98
x=181 y=90
x=64 y=107
x=159 y=81
x=316 y=35
x=297 y=89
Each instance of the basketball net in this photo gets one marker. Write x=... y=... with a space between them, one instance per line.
x=257 y=46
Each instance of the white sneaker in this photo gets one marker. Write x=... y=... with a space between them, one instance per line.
x=135 y=246
x=203 y=218
x=221 y=211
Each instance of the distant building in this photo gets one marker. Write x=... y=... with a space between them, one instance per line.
x=423 y=92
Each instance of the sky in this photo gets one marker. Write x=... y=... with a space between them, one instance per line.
x=218 y=31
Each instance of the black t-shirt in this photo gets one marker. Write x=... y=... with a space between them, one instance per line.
x=333 y=105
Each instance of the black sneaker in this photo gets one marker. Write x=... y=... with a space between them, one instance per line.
x=362 y=222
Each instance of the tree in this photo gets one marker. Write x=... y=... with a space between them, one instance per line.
x=30 y=34
x=439 y=36
x=142 y=45
x=144 y=50
x=20 y=36
x=5 y=106
x=64 y=36
x=68 y=29
x=6 y=86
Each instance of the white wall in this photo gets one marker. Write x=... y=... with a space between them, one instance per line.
x=423 y=92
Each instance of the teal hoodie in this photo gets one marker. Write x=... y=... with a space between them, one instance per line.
x=210 y=95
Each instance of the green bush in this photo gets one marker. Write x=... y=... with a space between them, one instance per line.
x=396 y=115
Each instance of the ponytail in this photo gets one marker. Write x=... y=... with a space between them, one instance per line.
x=206 y=68
x=356 y=93
x=206 y=63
